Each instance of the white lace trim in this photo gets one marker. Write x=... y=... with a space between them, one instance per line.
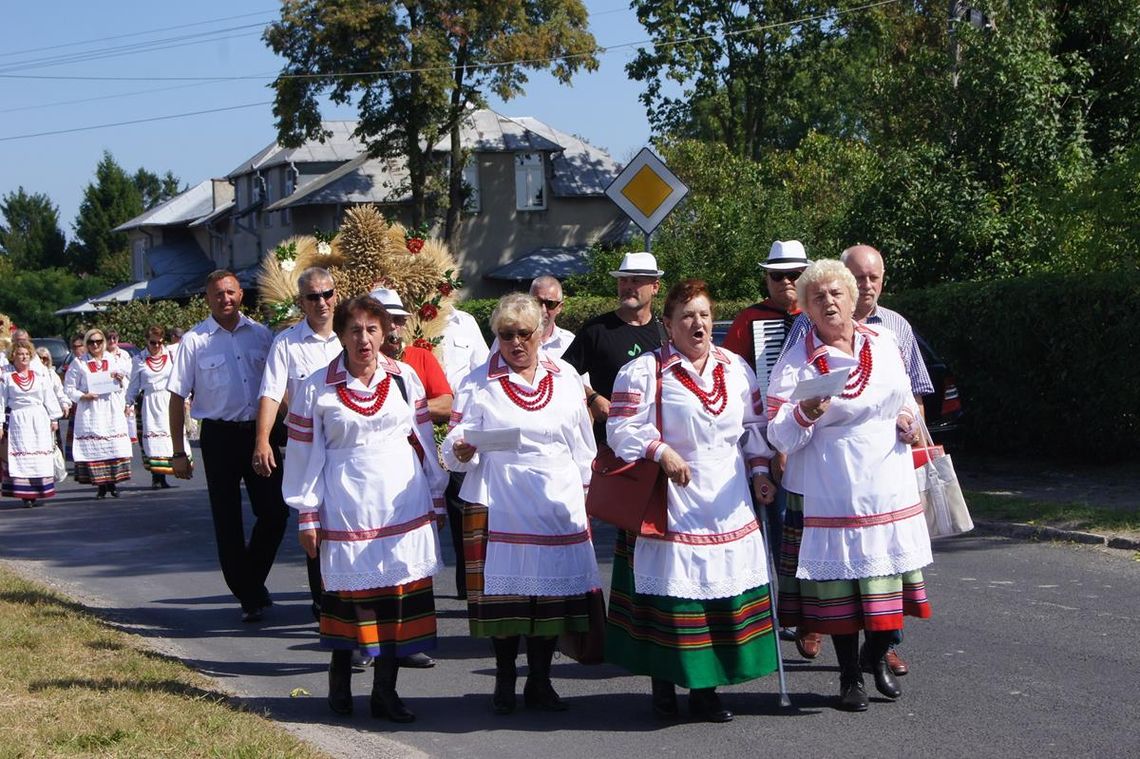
x=541 y=586
x=368 y=580
x=682 y=588
x=873 y=566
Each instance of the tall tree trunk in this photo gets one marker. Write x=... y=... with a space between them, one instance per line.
x=455 y=171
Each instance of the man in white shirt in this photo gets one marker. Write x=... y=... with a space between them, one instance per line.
x=221 y=361
x=548 y=291
x=306 y=347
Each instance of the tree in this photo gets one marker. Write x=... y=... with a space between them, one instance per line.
x=30 y=235
x=31 y=298
x=428 y=61
x=155 y=189
x=112 y=199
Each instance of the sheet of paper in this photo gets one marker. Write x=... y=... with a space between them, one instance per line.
x=505 y=439
x=101 y=383
x=823 y=386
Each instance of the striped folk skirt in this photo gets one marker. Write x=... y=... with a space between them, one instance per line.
x=28 y=488
x=498 y=616
x=842 y=607
x=393 y=621
x=695 y=643
x=102 y=472
x=157 y=464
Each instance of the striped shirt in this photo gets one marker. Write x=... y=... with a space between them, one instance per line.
x=920 y=383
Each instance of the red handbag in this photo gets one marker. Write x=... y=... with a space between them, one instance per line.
x=629 y=495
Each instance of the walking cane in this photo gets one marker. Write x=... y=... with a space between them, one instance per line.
x=785 y=702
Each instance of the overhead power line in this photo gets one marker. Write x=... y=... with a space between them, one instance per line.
x=168 y=117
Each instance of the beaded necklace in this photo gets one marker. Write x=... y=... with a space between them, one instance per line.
x=860 y=375
x=156 y=362
x=366 y=404
x=529 y=400
x=25 y=383
x=714 y=402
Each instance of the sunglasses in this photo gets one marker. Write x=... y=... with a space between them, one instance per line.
x=315 y=297
x=780 y=276
x=549 y=305
x=155 y=343
x=94 y=342
x=509 y=336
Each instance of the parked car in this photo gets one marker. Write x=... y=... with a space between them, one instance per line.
x=57 y=347
x=942 y=408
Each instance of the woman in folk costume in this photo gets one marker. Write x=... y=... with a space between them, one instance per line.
x=530 y=560
x=57 y=387
x=361 y=470
x=857 y=536
x=33 y=408
x=102 y=448
x=148 y=376
x=692 y=608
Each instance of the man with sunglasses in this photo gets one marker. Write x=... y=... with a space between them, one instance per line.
x=548 y=291
x=297 y=351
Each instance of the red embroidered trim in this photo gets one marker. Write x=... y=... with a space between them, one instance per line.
x=93 y=366
x=380 y=532
x=711 y=539
x=521 y=538
x=714 y=402
x=302 y=437
x=529 y=400
x=299 y=421
x=375 y=399
x=865 y=521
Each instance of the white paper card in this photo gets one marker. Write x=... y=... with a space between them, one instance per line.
x=506 y=439
x=823 y=386
x=101 y=383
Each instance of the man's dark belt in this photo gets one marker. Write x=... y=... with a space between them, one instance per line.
x=251 y=424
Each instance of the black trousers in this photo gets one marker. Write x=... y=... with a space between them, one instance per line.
x=227 y=457
x=455 y=525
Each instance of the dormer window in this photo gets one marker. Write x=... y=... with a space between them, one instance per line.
x=530 y=182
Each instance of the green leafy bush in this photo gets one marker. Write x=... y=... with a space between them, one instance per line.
x=132 y=319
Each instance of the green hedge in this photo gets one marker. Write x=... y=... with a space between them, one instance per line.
x=1045 y=364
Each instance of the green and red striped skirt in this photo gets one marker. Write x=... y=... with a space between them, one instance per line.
x=102 y=472
x=695 y=643
x=500 y=616
x=395 y=621
x=842 y=607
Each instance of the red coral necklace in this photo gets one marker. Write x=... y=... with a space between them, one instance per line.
x=858 y=378
x=714 y=402
x=529 y=400
x=156 y=362
x=95 y=366
x=365 y=403
x=25 y=383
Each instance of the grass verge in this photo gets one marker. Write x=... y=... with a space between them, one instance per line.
x=70 y=685
x=1070 y=516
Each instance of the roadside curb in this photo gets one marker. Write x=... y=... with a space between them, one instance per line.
x=1038 y=532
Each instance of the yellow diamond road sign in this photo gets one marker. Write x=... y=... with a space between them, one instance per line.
x=646 y=190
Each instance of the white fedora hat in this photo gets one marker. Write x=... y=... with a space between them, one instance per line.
x=637 y=265
x=786 y=255
x=390 y=299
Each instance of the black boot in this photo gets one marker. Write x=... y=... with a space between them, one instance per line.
x=704 y=703
x=538 y=693
x=664 y=699
x=113 y=490
x=506 y=675
x=874 y=658
x=852 y=692
x=102 y=492
x=340 y=682
x=385 y=702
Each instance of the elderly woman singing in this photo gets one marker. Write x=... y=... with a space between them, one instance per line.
x=692 y=608
x=362 y=471
x=30 y=399
x=859 y=526
x=148 y=376
x=530 y=560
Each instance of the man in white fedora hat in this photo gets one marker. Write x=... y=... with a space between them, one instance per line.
x=605 y=343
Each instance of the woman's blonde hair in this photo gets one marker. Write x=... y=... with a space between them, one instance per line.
x=825 y=270
x=45 y=353
x=94 y=331
x=25 y=344
x=520 y=309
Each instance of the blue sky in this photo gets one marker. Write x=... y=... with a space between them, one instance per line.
x=602 y=106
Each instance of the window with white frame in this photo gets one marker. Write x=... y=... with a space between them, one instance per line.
x=138 y=258
x=530 y=182
x=289 y=184
x=473 y=202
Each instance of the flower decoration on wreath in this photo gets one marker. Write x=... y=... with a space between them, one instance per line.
x=368 y=251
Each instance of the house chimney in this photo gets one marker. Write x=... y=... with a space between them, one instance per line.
x=223 y=192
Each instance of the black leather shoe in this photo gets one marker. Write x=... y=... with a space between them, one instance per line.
x=389 y=706
x=853 y=696
x=885 y=680
x=340 y=691
x=704 y=703
x=541 y=695
x=417 y=661
x=664 y=699
x=504 y=700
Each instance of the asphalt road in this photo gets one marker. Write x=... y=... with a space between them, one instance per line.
x=1032 y=651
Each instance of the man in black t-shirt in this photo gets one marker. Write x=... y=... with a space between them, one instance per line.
x=605 y=343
